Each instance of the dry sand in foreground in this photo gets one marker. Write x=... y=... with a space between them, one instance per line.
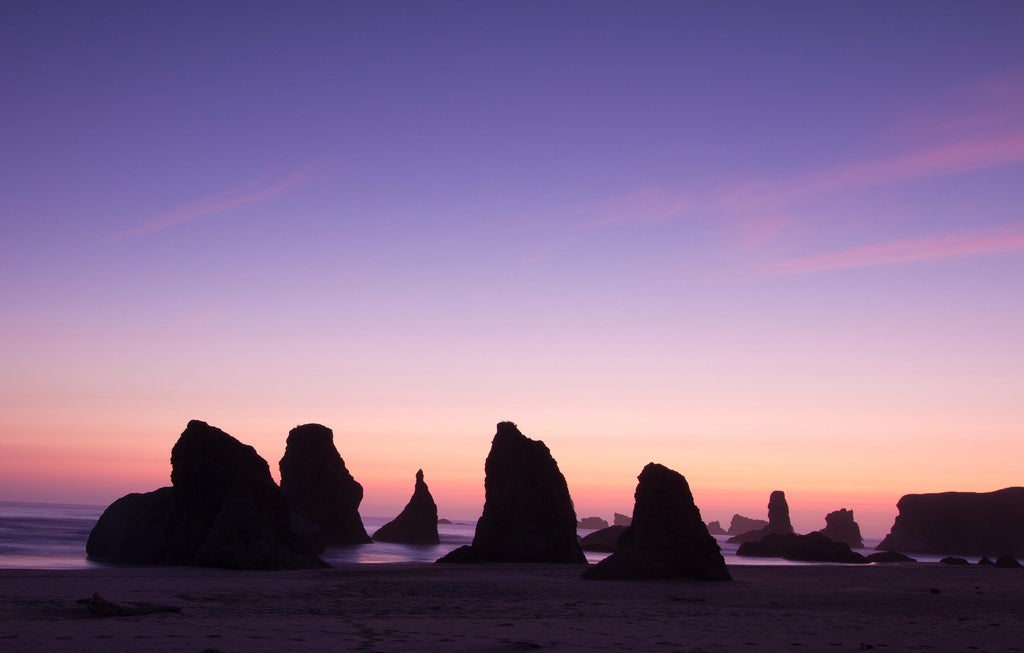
x=517 y=607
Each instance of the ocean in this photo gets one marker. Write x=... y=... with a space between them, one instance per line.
x=53 y=536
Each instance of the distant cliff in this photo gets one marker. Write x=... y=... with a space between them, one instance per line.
x=988 y=523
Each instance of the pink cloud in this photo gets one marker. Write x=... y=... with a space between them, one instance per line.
x=251 y=192
x=950 y=158
x=951 y=246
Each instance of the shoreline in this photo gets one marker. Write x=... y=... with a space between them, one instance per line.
x=495 y=607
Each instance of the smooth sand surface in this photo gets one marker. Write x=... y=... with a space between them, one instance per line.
x=517 y=607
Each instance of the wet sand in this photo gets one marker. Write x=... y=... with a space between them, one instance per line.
x=517 y=607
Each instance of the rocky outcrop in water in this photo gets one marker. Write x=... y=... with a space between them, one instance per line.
x=966 y=523
x=813 y=547
x=889 y=557
x=417 y=523
x=592 y=523
x=223 y=509
x=667 y=538
x=955 y=561
x=319 y=487
x=740 y=525
x=778 y=520
x=602 y=540
x=715 y=528
x=528 y=515
x=841 y=527
x=619 y=519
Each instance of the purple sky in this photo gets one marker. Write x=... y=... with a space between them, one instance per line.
x=773 y=245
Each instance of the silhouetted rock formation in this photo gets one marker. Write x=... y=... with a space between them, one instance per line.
x=667 y=538
x=740 y=525
x=528 y=514
x=592 y=522
x=1007 y=562
x=960 y=522
x=223 y=510
x=778 y=520
x=715 y=528
x=954 y=560
x=619 y=519
x=840 y=527
x=889 y=557
x=444 y=521
x=813 y=547
x=984 y=562
x=602 y=540
x=417 y=523
x=319 y=487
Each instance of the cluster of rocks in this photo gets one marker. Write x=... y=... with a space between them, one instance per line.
x=777 y=539
x=778 y=521
x=223 y=508
x=1001 y=562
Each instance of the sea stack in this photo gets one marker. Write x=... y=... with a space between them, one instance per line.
x=741 y=524
x=223 y=509
x=417 y=523
x=715 y=528
x=841 y=527
x=667 y=538
x=320 y=488
x=778 y=520
x=528 y=515
x=964 y=523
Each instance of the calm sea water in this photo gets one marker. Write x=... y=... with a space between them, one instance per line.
x=53 y=536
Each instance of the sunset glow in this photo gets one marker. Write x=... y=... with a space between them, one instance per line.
x=772 y=246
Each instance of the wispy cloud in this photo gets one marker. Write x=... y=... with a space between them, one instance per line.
x=251 y=192
x=644 y=206
x=950 y=158
x=950 y=246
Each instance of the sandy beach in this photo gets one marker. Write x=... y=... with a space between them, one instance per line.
x=516 y=607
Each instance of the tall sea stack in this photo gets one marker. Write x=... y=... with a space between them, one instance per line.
x=528 y=515
x=667 y=538
x=778 y=520
x=319 y=487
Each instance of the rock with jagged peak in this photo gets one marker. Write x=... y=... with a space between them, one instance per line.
x=417 y=523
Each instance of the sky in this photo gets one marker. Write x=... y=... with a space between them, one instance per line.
x=769 y=245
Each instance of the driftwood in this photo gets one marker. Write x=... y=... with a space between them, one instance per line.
x=104 y=608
